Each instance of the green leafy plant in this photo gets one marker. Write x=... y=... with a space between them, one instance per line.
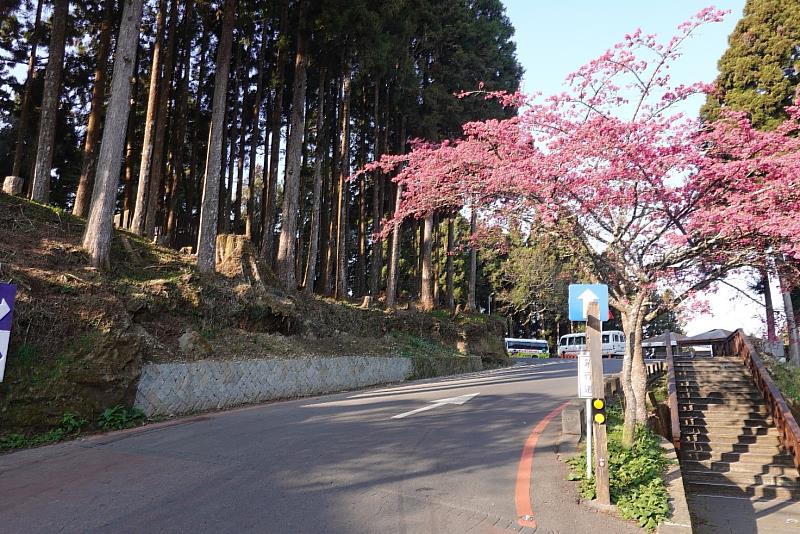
x=72 y=422
x=119 y=417
x=635 y=475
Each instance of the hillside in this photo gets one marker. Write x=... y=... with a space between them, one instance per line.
x=80 y=336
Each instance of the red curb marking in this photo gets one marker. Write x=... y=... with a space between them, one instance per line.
x=522 y=494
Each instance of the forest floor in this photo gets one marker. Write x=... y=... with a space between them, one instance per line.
x=80 y=336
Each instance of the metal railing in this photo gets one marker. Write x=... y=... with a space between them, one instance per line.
x=737 y=344
x=672 y=396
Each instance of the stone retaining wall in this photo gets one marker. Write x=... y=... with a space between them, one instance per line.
x=180 y=388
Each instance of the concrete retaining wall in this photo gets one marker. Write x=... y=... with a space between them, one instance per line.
x=179 y=388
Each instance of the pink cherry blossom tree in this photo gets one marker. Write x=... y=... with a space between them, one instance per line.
x=609 y=165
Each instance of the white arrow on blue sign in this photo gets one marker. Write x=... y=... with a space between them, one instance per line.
x=580 y=295
x=8 y=293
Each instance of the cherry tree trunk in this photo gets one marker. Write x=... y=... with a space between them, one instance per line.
x=632 y=379
x=294 y=152
x=99 y=227
x=207 y=235
x=25 y=107
x=394 y=261
x=473 y=261
x=769 y=308
x=426 y=279
x=40 y=190
x=319 y=155
x=451 y=304
x=146 y=162
x=85 y=182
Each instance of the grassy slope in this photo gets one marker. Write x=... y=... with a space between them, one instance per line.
x=81 y=336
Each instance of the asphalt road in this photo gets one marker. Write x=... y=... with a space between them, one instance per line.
x=333 y=464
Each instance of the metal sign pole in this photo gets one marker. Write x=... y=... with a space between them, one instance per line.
x=588 y=438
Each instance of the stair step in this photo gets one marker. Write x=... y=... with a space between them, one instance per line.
x=722 y=384
x=713 y=393
x=729 y=431
x=732 y=489
x=760 y=448
x=785 y=468
x=740 y=478
x=716 y=401
x=731 y=414
x=759 y=458
x=741 y=439
x=715 y=421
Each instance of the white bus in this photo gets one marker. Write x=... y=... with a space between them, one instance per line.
x=613 y=344
x=525 y=348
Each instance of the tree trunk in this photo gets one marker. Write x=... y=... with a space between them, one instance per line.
x=26 y=104
x=287 y=259
x=128 y=176
x=426 y=279
x=473 y=261
x=376 y=260
x=269 y=196
x=237 y=200
x=154 y=194
x=85 y=184
x=632 y=368
x=258 y=101
x=791 y=322
x=344 y=171
x=394 y=261
x=40 y=190
x=639 y=373
x=195 y=153
x=179 y=121
x=769 y=308
x=206 y=241
x=451 y=304
x=99 y=227
x=319 y=155
x=145 y=166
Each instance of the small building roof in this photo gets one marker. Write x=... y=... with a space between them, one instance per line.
x=661 y=340
x=717 y=335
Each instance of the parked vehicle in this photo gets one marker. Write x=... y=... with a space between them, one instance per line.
x=613 y=344
x=527 y=348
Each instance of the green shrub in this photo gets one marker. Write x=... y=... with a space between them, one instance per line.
x=119 y=417
x=635 y=475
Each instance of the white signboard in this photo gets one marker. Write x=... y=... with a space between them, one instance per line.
x=584 y=376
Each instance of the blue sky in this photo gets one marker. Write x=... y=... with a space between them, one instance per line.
x=554 y=38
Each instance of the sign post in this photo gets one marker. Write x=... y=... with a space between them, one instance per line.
x=594 y=329
x=585 y=392
x=8 y=293
x=589 y=302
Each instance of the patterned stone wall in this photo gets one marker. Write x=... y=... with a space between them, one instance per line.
x=179 y=388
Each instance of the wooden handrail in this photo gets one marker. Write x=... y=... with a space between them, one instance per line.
x=672 y=392
x=737 y=344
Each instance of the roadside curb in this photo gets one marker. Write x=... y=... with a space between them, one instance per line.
x=680 y=521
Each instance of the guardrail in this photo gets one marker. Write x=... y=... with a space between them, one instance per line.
x=737 y=344
x=672 y=397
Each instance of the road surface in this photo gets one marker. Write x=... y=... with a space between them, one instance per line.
x=341 y=463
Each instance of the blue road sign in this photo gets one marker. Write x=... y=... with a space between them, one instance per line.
x=8 y=293
x=580 y=295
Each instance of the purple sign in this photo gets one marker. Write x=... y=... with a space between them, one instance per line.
x=8 y=292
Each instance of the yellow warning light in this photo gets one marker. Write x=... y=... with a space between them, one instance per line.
x=598 y=404
x=599 y=418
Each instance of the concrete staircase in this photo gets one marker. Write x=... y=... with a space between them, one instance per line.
x=729 y=443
